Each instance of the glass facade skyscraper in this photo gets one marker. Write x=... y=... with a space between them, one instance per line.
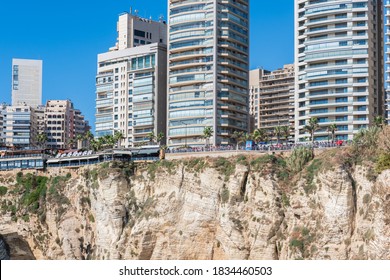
x=208 y=64
x=339 y=65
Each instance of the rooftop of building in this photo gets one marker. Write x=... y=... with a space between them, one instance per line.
x=135 y=16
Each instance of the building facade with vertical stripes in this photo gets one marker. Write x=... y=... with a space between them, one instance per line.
x=208 y=70
x=339 y=65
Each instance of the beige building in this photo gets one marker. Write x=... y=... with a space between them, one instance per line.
x=272 y=98
x=339 y=66
x=63 y=123
x=135 y=31
x=131 y=93
x=131 y=82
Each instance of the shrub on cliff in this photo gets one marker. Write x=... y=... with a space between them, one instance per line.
x=365 y=145
x=384 y=140
x=224 y=166
x=383 y=163
x=3 y=191
x=299 y=158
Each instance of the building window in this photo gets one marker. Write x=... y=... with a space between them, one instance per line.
x=139 y=33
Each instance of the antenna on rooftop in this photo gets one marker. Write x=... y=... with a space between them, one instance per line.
x=136 y=12
x=131 y=10
x=161 y=18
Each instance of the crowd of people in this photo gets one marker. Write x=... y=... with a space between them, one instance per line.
x=259 y=147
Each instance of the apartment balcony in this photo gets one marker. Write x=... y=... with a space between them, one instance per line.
x=311 y=24
x=332 y=94
x=282 y=97
x=331 y=113
x=361 y=122
x=360 y=112
x=185 y=64
x=233 y=65
x=331 y=104
x=225 y=53
x=180 y=57
x=233 y=47
x=275 y=108
x=234 y=73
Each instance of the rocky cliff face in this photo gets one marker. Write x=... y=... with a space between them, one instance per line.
x=239 y=208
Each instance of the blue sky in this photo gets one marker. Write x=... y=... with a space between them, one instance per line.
x=68 y=35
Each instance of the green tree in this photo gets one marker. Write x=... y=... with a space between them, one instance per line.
x=379 y=121
x=71 y=143
x=239 y=137
x=108 y=141
x=151 y=136
x=286 y=132
x=96 y=145
x=118 y=136
x=80 y=139
x=332 y=129
x=41 y=140
x=259 y=135
x=88 y=137
x=207 y=134
x=278 y=133
x=312 y=127
x=159 y=138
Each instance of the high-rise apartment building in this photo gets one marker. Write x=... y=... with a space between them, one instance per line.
x=135 y=31
x=131 y=86
x=387 y=57
x=272 y=98
x=339 y=65
x=208 y=54
x=26 y=82
x=63 y=123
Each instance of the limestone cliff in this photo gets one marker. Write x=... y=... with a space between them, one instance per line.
x=236 y=208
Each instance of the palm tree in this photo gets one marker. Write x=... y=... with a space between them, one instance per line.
x=259 y=135
x=118 y=136
x=312 y=127
x=332 y=129
x=285 y=132
x=79 y=139
x=71 y=143
x=379 y=121
x=96 y=145
x=278 y=133
x=101 y=142
x=107 y=141
x=159 y=138
x=151 y=136
x=239 y=137
x=207 y=134
x=88 y=137
x=269 y=134
x=41 y=140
